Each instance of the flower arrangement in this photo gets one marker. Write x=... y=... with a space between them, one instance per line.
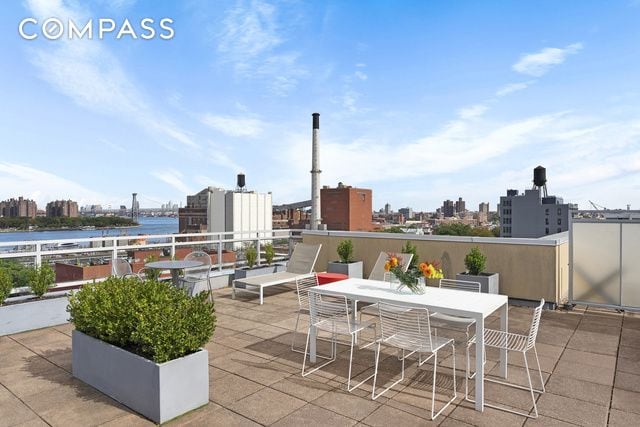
x=407 y=278
x=431 y=270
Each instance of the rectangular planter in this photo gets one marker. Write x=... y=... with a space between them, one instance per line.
x=489 y=282
x=351 y=269
x=243 y=273
x=160 y=392
x=26 y=316
x=71 y=272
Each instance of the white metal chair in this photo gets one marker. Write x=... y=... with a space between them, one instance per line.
x=456 y=323
x=410 y=331
x=520 y=343
x=331 y=314
x=121 y=267
x=194 y=276
x=302 y=287
x=378 y=273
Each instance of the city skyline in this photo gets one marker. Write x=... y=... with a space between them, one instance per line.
x=420 y=102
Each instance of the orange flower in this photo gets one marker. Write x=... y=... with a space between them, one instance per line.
x=394 y=261
x=423 y=266
x=387 y=266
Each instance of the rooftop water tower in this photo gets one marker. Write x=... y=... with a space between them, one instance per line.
x=540 y=179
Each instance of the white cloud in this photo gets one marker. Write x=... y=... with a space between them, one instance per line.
x=361 y=65
x=513 y=87
x=360 y=75
x=43 y=186
x=472 y=111
x=88 y=73
x=248 y=39
x=234 y=125
x=537 y=64
x=173 y=178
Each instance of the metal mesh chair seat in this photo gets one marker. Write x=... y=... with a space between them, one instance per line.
x=121 y=267
x=417 y=344
x=503 y=340
x=341 y=326
x=195 y=276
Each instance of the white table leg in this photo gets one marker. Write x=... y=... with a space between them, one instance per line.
x=504 y=326
x=479 y=363
x=312 y=344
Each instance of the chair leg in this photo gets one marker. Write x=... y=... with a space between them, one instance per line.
x=533 y=397
x=539 y=370
x=233 y=289
x=306 y=351
x=349 y=388
x=295 y=332
x=373 y=392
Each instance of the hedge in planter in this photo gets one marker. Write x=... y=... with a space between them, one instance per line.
x=152 y=319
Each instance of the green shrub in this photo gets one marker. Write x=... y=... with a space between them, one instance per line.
x=345 y=251
x=251 y=255
x=269 y=253
x=6 y=284
x=152 y=273
x=475 y=261
x=152 y=319
x=408 y=248
x=41 y=279
x=19 y=272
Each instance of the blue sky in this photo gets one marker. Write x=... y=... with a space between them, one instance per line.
x=419 y=101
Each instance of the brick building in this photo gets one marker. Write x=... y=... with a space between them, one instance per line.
x=59 y=208
x=18 y=208
x=346 y=208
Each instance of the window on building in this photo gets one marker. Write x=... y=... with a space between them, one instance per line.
x=546 y=230
x=559 y=230
x=546 y=211
x=559 y=211
x=559 y=221
x=546 y=221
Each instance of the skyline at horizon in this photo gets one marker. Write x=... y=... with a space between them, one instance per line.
x=420 y=102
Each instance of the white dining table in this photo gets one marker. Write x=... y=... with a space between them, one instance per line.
x=453 y=302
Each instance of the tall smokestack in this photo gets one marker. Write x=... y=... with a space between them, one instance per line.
x=315 y=173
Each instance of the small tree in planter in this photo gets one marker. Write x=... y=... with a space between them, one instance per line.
x=269 y=253
x=408 y=248
x=41 y=279
x=6 y=284
x=346 y=265
x=251 y=255
x=475 y=262
x=141 y=343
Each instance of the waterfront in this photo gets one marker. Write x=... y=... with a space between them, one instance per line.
x=148 y=225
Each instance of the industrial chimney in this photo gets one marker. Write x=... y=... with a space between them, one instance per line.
x=315 y=173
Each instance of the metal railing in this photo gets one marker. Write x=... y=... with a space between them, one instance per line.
x=37 y=252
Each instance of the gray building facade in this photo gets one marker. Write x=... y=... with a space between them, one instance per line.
x=532 y=215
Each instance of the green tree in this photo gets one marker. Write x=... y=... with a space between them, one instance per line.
x=409 y=248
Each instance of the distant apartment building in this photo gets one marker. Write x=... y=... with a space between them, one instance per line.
x=460 y=206
x=483 y=212
x=448 y=208
x=293 y=215
x=242 y=213
x=407 y=213
x=534 y=213
x=387 y=209
x=62 y=208
x=347 y=208
x=19 y=207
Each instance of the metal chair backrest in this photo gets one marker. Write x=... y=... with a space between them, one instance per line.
x=200 y=270
x=303 y=259
x=460 y=285
x=121 y=267
x=302 y=286
x=327 y=308
x=406 y=327
x=535 y=324
x=378 y=272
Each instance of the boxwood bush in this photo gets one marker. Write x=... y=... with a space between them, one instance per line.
x=152 y=319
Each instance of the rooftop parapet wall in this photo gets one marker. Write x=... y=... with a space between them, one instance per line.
x=529 y=269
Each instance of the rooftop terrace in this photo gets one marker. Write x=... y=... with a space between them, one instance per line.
x=590 y=360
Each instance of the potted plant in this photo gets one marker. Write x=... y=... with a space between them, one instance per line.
x=475 y=262
x=346 y=264
x=251 y=257
x=141 y=344
x=6 y=284
x=432 y=273
x=35 y=311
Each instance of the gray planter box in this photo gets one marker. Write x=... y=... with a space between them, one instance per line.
x=160 y=392
x=351 y=269
x=243 y=273
x=489 y=281
x=26 y=316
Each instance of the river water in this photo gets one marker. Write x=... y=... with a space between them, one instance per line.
x=148 y=225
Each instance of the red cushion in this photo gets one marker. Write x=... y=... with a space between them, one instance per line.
x=324 y=278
